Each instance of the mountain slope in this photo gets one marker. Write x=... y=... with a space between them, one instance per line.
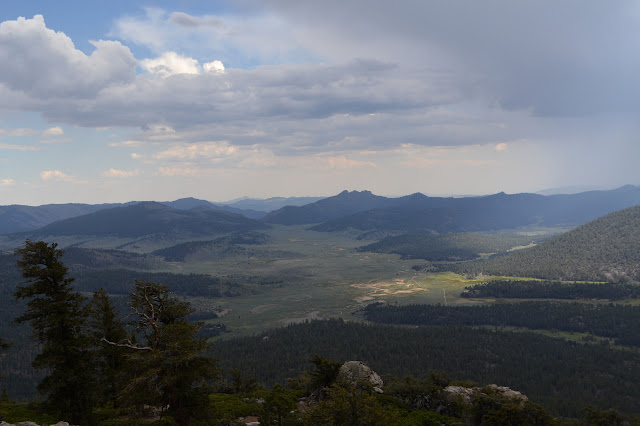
x=148 y=218
x=606 y=249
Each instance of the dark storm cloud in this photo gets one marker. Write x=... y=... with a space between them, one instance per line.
x=189 y=21
x=557 y=58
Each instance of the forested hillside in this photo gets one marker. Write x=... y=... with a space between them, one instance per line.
x=606 y=249
x=238 y=244
x=448 y=247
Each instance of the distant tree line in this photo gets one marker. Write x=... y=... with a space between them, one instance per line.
x=619 y=322
x=535 y=289
x=447 y=247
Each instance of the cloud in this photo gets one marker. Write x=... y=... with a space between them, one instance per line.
x=56 y=175
x=552 y=58
x=285 y=107
x=342 y=162
x=243 y=39
x=196 y=152
x=19 y=132
x=55 y=140
x=18 y=147
x=189 y=21
x=7 y=182
x=116 y=173
x=53 y=131
x=501 y=146
x=170 y=63
x=215 y=67
x=50 y=66
x=179 y=171
x=310 y=78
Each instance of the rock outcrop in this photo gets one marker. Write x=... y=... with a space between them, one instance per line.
x=357 y=372
x=468 y=394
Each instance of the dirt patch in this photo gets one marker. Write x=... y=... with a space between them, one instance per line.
x=386 y=288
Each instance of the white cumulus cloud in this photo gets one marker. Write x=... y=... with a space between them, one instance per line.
x=18 y=147
x=53 y=131
x=179 y=171
x=50 y=66
x=215 y=67
x=55 y=175
x=194 y=152
x=171 y=63
x=116 y=173
x=7 y=182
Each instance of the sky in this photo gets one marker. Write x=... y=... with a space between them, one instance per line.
x=112 y=101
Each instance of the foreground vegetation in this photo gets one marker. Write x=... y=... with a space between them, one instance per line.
x=564 y=377
x=99 y=371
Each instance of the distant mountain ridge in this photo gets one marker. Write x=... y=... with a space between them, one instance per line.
x=190 y=202
x=340 y=205
x=18 y=218
x=419 y=213
x=365 y=211
x=148 y=218
x=269 y=204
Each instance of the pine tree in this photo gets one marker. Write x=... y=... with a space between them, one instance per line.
x=58 y=318
x=3 y=345
x=168 y=369
x=106 y=326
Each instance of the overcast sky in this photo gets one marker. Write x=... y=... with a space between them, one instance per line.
x=108 y=101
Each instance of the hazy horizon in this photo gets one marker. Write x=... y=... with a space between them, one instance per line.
x=547 y=191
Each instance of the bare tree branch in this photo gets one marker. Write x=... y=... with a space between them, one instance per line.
x=127 y=345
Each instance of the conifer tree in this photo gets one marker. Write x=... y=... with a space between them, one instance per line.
x=3 y=345
x=106 y=326
x=167 y=369
x=58 y=318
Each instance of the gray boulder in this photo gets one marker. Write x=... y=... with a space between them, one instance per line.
x=356 y=372
x=467 y=394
